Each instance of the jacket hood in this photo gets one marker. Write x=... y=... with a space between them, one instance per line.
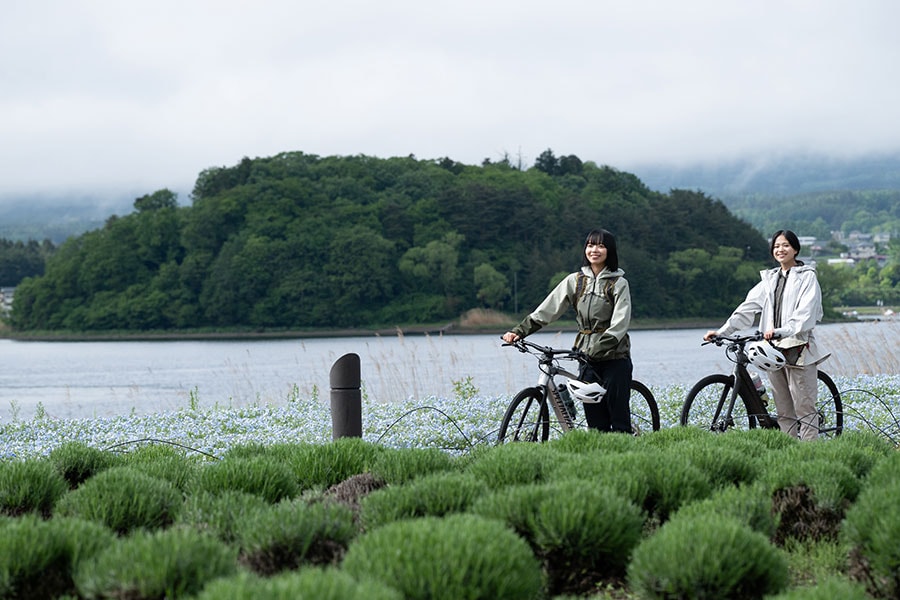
x=604 y=274
x=797 y=269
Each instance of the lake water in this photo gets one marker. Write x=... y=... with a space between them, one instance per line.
x=96 y=379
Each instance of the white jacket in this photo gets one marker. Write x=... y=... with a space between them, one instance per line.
x=801 y=310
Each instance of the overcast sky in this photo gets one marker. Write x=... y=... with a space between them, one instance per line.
x=106 y=95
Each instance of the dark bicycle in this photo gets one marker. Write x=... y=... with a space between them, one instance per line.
x=528 y=417
x=713 y=401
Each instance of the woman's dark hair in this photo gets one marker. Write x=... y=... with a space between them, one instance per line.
x=791 y=238
x=602 y=236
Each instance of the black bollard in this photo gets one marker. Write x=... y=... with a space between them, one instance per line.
x=346 y=398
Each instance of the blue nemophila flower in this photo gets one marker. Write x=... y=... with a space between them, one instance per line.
x=870 y=402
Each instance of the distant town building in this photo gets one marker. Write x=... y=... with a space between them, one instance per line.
x=841 y=261
x=6 y=299
x=862 y=248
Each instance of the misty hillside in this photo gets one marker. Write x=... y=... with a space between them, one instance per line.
x=58 y=217
x=777 y=175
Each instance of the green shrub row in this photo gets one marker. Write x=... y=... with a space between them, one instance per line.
x=292 y=533
x=321 y=584
x=457 y=556
x=675 y=514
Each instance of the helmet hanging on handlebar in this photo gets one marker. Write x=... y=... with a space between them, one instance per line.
x=765 y=356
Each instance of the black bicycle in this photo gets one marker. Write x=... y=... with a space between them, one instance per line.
x=528 y=417
x=713 y=401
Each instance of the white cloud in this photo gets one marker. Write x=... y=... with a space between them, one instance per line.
x=100 y=94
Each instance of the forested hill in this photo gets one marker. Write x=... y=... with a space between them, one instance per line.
x=302 y=241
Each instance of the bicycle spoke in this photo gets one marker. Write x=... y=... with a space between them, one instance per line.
x=644 y=411
x=706 y=406
x=528 y=424
x=526 y=419
x=829 y=407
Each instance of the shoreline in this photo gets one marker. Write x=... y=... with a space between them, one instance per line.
x=452 y=328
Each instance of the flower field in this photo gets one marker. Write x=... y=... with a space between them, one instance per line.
x=871 y=402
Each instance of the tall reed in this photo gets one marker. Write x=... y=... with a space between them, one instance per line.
x=869 y=348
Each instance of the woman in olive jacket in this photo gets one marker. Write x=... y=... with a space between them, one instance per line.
x=602 y=300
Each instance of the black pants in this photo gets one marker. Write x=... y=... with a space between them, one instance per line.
x=613 y=412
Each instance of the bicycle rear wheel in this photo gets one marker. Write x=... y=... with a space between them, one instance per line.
x=527 y=418
x=707 y=402
x=829 y=407
x=644 y=411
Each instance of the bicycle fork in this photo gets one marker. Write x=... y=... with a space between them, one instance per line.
x=719 y=423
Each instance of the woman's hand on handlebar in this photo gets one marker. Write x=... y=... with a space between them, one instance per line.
x=509 y=337
x=710 y=335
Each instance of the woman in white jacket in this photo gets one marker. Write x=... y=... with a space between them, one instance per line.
x=788 y=300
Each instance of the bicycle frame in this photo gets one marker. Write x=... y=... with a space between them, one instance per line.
x=712 y=402
x=549 y=368
x=520 y=421
x=742 y=386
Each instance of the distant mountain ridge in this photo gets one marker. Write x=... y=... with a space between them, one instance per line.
x=777 y=175
x=58 y=217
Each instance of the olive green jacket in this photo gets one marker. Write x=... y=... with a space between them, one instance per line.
x=603 y=313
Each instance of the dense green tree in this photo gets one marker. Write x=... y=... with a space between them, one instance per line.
x=834 y=281
x=111 y=261
x=214 y=181
x=19 y=260
x=360 y=272
x=491 y=287
x=434 y=265
x=570 y=165
x=158 y=237
x=159 y=199
x=547 y=162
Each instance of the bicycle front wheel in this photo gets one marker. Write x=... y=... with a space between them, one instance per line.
x=829 y=407
x=527 y=418
x=644 y=411
x=706 y=406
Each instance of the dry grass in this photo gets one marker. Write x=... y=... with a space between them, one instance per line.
x=865 y=348
x=478 y=318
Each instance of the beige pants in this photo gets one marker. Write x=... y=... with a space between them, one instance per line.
x=795 y=390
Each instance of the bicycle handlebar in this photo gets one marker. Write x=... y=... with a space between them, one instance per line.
x=719 y=340
x=523 y=345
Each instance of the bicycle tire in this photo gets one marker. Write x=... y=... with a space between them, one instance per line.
x=831 y=424
x=527 y=418
x=706 y=400
x=644 y=410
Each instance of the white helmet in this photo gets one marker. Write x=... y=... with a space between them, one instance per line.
x=765 y=356
x=586 y=392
